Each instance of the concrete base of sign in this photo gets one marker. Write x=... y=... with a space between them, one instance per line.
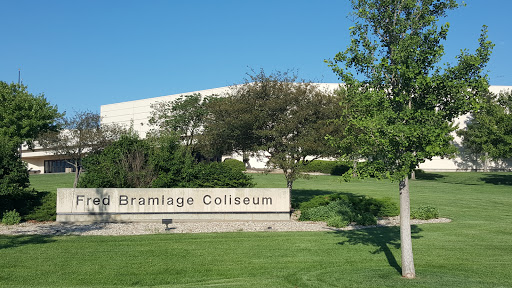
x=152 y=218
x=91 y=205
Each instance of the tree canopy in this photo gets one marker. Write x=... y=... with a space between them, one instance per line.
x=13 y=172
x=184 y=116
x=489 y=130
x=399 y=95
x=158 y=162
x=79 y=136
x=284 y=119
x=24 y=116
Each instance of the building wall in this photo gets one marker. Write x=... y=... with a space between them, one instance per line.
x=464 y=160
x=35 y=159
x=136 y=114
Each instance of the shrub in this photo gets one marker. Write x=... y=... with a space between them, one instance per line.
x=340 y=169
x=337 y=221
x=337 y=214
x=319 y=200
x=366 y=219
x=235 y=164
x=46 y=211
x=388 y=208
x=13 y=172
x=123 y=164
x=219 y=175
x=11 y=217
x=326 y=167
x=23 y=202
x=384 y=207
x=425 y=213
x=360 y=209
x=159 y=163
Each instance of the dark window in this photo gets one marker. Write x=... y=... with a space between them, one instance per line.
x=57 y=166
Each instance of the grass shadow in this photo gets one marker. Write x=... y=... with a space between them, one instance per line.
x=497 y=179
x=382 y=238
x=12 y=241
x=428 y=176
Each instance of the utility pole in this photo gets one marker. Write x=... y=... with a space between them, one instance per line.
x=19 y=83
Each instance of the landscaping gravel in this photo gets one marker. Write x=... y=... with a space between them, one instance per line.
x=54 y=228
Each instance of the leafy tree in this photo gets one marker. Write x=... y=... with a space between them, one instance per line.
x=81 y=134
x=399 y=96
x=275 y=114
x=489 y=132
x=159 y=162
x=173 y=162
x=123 y=164
x=350 y=137
x=13 y=172
x=184 y=116
x=24 y=116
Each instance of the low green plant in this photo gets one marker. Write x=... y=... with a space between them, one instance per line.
x=46 y=211
x=337 y=221
x=158 y=163
x=219 y=175
x=327 y=167
x=366 y=219
x=388 y=207
x=235 y=164
x=425 y=212
x=360 y=209
x=337 y=213
x=11 y=217
x=380 y=207
x=319 y=200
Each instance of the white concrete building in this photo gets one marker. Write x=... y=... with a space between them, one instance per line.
x=137 y=113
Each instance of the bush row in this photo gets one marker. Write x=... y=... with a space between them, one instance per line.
x=339 y=210
x=158 y=163
x=131 y=163
x=340 y=168
x=327 y=167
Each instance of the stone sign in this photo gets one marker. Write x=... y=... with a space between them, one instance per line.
x=179 y=204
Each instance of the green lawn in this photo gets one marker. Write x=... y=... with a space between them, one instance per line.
x=50 y=182
x=474 y=250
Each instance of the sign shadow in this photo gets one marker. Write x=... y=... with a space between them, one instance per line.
x=11 y=241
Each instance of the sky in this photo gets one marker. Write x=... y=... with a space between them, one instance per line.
x=82 y=54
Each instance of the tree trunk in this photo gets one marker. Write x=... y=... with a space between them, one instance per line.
x=245 y=159
x=77 y=175
x=289 y=184
x=405 y=230
x=354 y=168
x=486 y=162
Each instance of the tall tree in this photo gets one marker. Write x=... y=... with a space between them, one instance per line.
x=400 y=96
x=183 y=116
x=14 y=177
x=24 y=116
x=489 y=132
x=81 y=134
x=285 y=119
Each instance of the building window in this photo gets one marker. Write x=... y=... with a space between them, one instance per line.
x=57 y=166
